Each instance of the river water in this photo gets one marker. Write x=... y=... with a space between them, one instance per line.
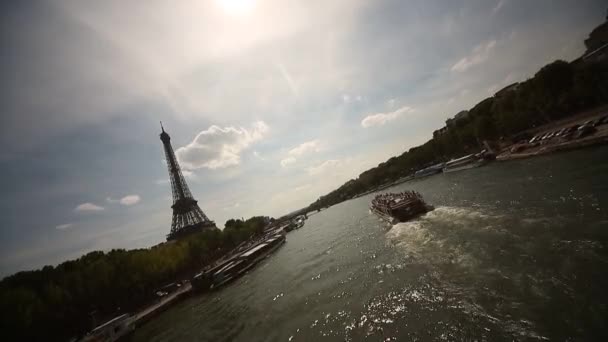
x=513 y=251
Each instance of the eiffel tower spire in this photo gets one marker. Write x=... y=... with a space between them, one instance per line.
x=188 y=218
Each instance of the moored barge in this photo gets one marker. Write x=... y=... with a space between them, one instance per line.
x=237 y=265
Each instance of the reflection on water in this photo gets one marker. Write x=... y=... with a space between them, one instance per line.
x=513 y=251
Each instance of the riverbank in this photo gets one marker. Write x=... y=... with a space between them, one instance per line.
x=163 y=304
x=249 y=254
x=528 y=150
x=103 y=285
x=559 y=144
x=554 y=148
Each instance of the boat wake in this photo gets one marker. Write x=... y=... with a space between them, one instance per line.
x=460 y=250
x=449 y=235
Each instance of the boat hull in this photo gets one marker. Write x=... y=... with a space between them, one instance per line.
x=401 y=218
x=385 y=217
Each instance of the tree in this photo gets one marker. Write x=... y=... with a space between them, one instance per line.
x=53 y=304
x=485 y=129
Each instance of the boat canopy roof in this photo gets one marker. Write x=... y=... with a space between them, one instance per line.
x=224 y=267
x=253 y=250
x=461 y=159
x=229 y=266
x=431 y=168
x=110 y=322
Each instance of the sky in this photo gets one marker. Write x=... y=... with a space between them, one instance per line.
x=269 y=103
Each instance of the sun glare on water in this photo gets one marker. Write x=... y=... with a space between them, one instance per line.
x=236 y=7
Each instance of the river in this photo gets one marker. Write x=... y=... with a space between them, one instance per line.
x=513 y=251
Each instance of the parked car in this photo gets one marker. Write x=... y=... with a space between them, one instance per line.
x=591 y=122
x=569 y=131
x=547 y=137
x=584 y=130
x=560 y=132
x=535 y=138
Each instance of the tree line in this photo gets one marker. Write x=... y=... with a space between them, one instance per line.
x=56 y=303
x=557 y=90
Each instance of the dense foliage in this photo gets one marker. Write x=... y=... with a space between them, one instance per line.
x=55 y=303
x=556 y=91
x=598 y=37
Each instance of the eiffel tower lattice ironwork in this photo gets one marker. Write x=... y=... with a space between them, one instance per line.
x=188 y=218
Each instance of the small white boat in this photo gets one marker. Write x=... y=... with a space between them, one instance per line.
x=468 y=162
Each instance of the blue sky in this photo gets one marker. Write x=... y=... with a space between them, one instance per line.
x=269 y=103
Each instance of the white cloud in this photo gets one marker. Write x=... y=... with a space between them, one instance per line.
x=64 y=226
x=498 y=6
x=479 y=55
x=303 y=148
x=288 y=161
x=302 y=187
x=347 y=98
x=323 y=167
x=380 y=119
x=188 y=174
x=218 y=147
x=127 y=200
x=306 y=147
x=130 y=200
x=257 y=155
x=88 y=206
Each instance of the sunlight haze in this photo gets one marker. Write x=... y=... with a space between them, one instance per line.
x=269 y=103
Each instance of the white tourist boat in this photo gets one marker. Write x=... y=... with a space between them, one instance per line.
x=468 y=162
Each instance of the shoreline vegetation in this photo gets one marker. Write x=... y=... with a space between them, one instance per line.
x=62 y=302
x=558 y=91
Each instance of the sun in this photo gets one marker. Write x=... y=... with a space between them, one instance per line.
x=236 y=7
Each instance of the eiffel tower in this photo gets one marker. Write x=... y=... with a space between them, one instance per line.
x=188 y=218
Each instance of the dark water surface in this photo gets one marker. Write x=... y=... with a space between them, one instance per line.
x=514 y=251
